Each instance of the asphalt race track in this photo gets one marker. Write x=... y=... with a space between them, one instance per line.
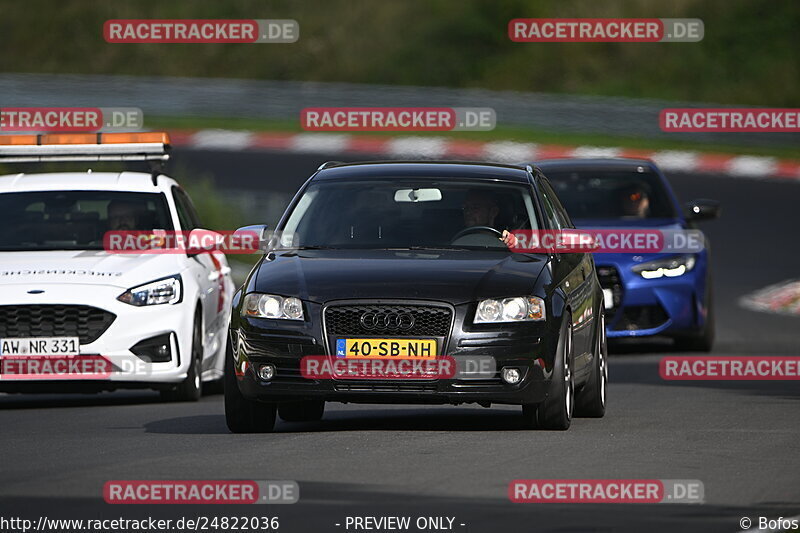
x=741 y=439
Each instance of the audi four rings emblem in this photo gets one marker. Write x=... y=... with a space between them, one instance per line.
x=382 y=321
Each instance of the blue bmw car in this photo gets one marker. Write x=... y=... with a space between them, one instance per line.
x=645 y=294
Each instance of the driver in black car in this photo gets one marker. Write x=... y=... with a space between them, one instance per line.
x=480 y=209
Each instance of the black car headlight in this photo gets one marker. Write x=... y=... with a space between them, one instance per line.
x=520 y=309
x=161 y=291
x=272 y=306
x=671 y=267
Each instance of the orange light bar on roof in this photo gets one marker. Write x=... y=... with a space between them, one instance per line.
x=85 y=138
x=68 y=138
x=138 y=146
x=14 y=140
x=142 y=137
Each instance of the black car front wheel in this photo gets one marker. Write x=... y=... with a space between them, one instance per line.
x=243 y=415
x=555 y=412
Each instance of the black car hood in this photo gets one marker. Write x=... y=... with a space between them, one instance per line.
x=450 y=276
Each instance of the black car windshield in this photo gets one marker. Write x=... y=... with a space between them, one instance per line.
x=75 y=220
x=404 y=213
x=623 y=195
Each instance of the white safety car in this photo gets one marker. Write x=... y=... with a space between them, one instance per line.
x=154 y=320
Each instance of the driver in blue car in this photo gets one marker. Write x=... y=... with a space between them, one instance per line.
x=480 y=209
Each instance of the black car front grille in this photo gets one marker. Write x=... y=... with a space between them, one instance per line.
x=641 y=317
x=609 y=279
x=429 y=320
x=82 y=321
x=384 y=386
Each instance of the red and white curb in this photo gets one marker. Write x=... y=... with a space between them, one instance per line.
x=411 y=147
x=782 y=298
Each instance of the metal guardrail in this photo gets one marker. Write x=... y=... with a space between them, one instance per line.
x=235 y=98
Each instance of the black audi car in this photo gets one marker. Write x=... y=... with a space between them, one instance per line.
x=416 y=254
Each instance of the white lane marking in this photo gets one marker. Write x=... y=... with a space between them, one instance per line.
x=222 y=139
x=319 y=142
x=422 y=147
x=595 y=151
x=676 y=160
x=781 y=298
x=509 y=152
x=755 y=166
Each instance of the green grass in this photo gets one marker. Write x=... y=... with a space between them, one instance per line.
x=748 y=55
x=501 y=133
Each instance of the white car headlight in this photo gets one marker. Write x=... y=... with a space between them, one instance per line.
x=272 y=306
x=520 y=309
x=671 y=267
x=162 y=291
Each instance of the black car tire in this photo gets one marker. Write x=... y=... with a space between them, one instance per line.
x=702 y=341
x=302 y=411
x=555 y=412
x=590 y=401
x=191 y=388
x=243 y=415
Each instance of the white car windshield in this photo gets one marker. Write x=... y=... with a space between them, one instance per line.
x=75 y=220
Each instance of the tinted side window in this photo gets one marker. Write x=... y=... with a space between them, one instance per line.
x=186 y=211
x=561 y=214
x=549 y=208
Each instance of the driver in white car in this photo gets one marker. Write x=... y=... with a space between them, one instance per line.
x=480 y=209
x=123 y=216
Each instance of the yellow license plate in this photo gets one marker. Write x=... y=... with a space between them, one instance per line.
x=386 y=348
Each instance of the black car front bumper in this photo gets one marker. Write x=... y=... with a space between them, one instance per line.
x=527 y=346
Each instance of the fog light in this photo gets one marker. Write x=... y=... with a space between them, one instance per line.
x=266 y=372
x=510 y=375
x=155 y=349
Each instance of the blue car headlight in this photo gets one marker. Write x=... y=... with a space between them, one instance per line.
x=670 y=267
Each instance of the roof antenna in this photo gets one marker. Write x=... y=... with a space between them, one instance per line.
x=156 y=169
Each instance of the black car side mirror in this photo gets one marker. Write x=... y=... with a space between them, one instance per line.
x=698 y=210
x=260 y=230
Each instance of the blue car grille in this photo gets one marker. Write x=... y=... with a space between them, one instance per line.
x=638 y=317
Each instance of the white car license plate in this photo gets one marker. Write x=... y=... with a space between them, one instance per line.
x=40 y=346
x=608 y=298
